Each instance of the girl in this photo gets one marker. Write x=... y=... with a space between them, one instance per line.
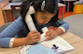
x=46 y=14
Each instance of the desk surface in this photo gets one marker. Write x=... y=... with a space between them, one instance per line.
x=7 y=7
x=74 y=40
x=3 y=3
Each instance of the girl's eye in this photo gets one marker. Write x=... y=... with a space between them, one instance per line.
x=44 y=17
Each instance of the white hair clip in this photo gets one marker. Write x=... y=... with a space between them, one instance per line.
x=43 y=5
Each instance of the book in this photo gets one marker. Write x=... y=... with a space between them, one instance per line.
x=46 y=47
x=63 y=45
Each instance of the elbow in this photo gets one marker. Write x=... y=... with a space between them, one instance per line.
x=65 y=26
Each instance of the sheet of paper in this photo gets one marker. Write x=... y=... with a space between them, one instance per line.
x=58 y=41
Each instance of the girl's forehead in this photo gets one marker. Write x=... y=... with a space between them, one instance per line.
x=46 y=12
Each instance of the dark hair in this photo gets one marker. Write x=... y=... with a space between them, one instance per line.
x=50 y=5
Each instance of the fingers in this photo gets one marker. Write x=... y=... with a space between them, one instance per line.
x=35 y=34
x=51 y=34
x=50 y=37
x=35 y=31
x=33 y=37
x=37 y=39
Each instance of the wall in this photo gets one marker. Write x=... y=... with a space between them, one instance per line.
x=2 y=4
x=1 y=17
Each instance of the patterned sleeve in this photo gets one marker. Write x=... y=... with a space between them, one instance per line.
x=63 y=25
x=7 y=34
x=60 y=24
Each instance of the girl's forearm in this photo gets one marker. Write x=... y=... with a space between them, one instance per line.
x=20 y=42
x=59 y=31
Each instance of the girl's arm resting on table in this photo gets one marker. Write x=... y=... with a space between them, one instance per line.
x=8 y=34
x=59 y=31
x=20 y=42
x=31 y=38
x=4 y=42
x=62 y=27
x=13 y=42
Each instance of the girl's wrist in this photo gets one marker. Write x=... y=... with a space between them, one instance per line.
x=56 y=32
x=27 y=40
x=59 y=31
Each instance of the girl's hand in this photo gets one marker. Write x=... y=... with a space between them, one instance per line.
x=51 y=34
x=33 y=37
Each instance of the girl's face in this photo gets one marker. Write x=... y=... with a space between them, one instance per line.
x=43 y=17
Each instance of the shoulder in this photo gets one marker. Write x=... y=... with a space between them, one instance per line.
x=61 y=22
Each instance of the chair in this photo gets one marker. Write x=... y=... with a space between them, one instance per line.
x=78 y=8
x=15 y=10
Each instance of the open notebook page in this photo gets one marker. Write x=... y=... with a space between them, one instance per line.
x=60 y=42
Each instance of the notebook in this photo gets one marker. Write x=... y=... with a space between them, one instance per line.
x=63 y=45
x=46 y=46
